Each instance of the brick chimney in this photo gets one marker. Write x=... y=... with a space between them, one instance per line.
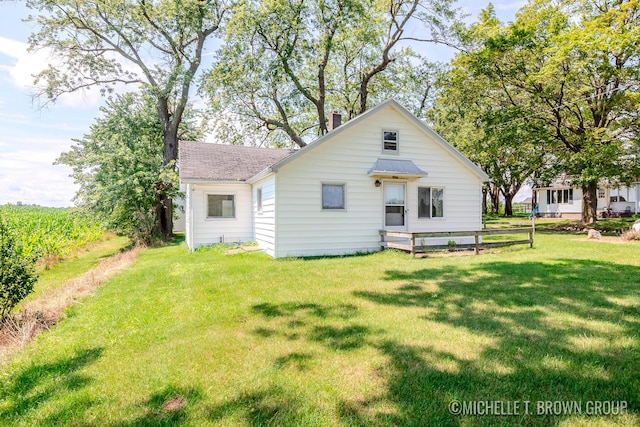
x=335 y=120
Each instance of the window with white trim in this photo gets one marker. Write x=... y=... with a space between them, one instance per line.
x=221 y=206
x=390 y=141
x=564 y=197
x=430 y=202
x=333 y=196
x=259 y=199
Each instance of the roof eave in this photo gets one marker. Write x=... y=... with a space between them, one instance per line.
x=331 y=134
x=457 y=154
x=262 y=174
x=398 y=107
x=211 y=181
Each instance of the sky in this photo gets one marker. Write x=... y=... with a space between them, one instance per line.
x=32 y=138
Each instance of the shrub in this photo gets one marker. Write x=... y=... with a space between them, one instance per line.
x=17 y=271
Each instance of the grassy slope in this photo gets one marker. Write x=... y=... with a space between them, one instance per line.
x=84 y=259
x=382 y=339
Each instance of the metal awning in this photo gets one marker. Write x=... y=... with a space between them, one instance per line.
x=396 y=168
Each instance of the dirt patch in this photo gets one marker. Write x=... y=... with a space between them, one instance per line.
x=241 y=249
x=45 y=311
x=175 y=404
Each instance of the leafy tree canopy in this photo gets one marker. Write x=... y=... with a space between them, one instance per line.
x=569 y=72
x=156 y=45
x=285 y=64
x=119 y=166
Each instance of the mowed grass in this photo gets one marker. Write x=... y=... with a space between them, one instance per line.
x=74 y=264
x=384 y=339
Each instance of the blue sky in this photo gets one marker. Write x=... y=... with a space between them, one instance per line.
x=32 y=138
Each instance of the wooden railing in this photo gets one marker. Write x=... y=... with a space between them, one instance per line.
x=415 y=242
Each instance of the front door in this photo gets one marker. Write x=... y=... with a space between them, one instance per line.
x=394 y=206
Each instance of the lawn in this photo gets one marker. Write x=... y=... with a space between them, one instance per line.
x=74 y=264
x=385 y=339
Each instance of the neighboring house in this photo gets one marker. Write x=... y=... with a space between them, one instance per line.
x=561 y=200
x=384 y=169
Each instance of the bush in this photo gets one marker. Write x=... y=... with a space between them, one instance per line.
x=17 y=271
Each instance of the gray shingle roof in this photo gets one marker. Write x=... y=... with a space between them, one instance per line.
x=219 y=162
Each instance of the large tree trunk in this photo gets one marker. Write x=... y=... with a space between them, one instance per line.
x=164 y=206
x=508 y=204
x=494 y=194
x=589 y=203
x=509 y=192
x=484 y=200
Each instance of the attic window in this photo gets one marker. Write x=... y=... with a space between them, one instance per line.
x=390 y=141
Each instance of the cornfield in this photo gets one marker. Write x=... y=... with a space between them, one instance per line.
x=50 y=231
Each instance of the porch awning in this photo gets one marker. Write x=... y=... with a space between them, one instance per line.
x=393 y=167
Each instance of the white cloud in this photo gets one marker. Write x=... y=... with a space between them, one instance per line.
x=28 y=64
x=29 y=176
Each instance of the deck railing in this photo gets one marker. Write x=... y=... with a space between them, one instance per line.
x=416 y=242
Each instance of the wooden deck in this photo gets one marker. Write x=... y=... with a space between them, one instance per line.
x=406 y=241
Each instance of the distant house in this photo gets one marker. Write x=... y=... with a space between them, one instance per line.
x=385 y=169
x=562 y=200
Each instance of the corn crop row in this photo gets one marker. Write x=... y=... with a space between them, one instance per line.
x=50 y=231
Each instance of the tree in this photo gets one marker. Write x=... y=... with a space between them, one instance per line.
x=572 y=66
x=120 y=169
x=156 y=45
x=17 y=271
x=286 y=64
x=489 y=127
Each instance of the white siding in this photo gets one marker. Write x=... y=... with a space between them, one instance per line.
x=265 y=220
x=207 y=231
x=179 y=210
x=189 y=216
x=304 y=229
x=631 y=195
x=559 y=209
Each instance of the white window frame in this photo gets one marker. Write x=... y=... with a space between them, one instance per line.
x=259 y=200
x=220 y=218
x=344 y=196
x=563 y=196
x=397 y=142
x=431 y=217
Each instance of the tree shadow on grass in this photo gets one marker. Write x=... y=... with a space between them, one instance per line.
x=296 y=359
x=35 y=385
x=297 y=320
x=167 y=407
x=289 y=309
x=272 y=406
x=562 y=331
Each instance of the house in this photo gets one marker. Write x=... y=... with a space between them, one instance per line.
x=384 y=169
x=562 y=200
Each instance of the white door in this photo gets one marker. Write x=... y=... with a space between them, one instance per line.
x=395 y=217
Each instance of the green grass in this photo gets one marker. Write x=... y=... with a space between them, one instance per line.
x=83 y=260
x=384 y=339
